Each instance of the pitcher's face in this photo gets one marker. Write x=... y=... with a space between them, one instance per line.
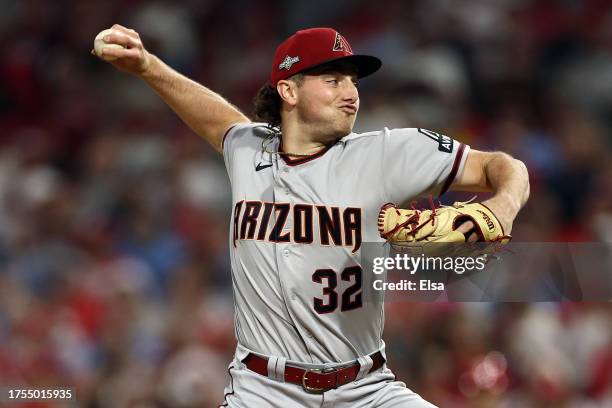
x=328 y=101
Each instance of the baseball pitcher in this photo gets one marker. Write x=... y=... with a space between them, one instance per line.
x=306 y=193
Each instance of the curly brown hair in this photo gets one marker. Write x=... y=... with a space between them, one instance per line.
x=268 y=103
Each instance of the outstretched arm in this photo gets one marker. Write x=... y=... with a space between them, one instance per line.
x=500 y=173
x=204 y=111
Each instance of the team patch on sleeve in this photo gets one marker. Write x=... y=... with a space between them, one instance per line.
x=445 y=143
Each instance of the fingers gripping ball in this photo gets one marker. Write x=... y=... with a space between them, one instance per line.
x=100 y=44
x=419 y=228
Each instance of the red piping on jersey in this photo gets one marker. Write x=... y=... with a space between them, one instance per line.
x=225 y=402
x=225 y=135
x=300 y=160
x=454 y=170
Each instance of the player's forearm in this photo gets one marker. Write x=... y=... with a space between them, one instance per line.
x=509 y=180
x=205 y=111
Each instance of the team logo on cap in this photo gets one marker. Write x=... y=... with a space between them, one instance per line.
x=340 y=44
x=288 y=62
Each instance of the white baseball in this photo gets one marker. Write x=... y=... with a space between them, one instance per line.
x=99 y=45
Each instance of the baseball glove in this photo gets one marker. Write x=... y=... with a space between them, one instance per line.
x=434 y=231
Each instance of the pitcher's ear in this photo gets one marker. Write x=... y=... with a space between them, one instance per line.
x=288 y=91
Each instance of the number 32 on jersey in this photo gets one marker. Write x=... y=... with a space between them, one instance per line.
x=351 y=297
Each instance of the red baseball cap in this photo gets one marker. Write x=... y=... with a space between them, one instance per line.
x=312 y=47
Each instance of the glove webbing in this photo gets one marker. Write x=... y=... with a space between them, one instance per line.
x=412 y=220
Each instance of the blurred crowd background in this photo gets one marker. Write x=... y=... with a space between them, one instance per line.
x=114 y=268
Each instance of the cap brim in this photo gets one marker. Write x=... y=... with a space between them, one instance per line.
x=365 y=64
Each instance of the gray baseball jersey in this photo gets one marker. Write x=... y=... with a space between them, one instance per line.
x=297 y=230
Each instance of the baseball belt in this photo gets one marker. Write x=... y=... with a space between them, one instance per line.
x=314 y=380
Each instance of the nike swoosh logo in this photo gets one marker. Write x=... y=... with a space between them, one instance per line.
x=261 y=167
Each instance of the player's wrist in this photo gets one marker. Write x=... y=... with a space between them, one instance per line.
x=150 y=67
x=505 y=207
x=509 y=201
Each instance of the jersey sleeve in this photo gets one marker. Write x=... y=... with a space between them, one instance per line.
x=240 y=135
x=419 y=163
